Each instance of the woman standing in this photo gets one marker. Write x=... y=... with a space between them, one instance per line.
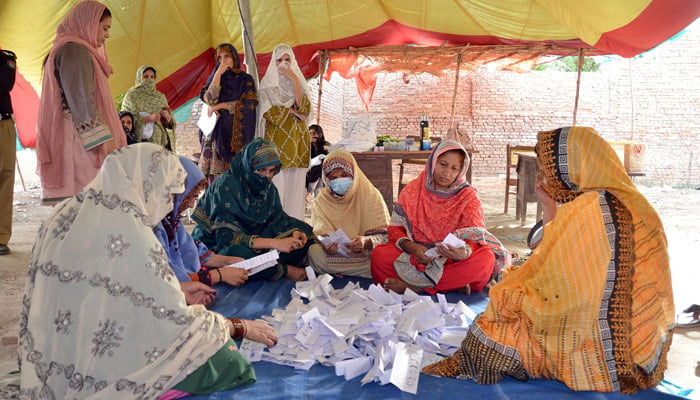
x=319 y=146
x=149 y=106
x=230 y=93
x=78 y=124
x=593 y=305
x=285 y=107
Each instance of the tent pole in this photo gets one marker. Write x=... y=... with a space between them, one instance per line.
x=251 y=61
x=454 y=93
x=21 y=178
x=578 y=82
x=321 y=71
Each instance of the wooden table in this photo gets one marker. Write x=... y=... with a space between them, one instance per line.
x=527 y=178
x=377 y=166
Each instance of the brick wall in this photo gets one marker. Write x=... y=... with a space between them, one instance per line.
x=652 y=99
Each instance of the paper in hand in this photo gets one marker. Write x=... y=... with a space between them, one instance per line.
x=147 y=128
x=451 y=240
x=206 y=123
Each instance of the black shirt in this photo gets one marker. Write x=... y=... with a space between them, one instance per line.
x=8 y=68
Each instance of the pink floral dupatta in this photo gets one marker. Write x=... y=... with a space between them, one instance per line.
x=80 y=26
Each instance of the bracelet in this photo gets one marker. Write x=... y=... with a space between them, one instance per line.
x=240 y=330
x=221 y=278
x=204 y=277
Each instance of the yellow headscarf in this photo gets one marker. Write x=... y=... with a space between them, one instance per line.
x=360 y=211
x=593 y=306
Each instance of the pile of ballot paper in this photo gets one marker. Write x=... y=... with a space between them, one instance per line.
x=385 y=336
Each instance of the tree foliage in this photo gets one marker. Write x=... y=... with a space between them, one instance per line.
x=569 y=64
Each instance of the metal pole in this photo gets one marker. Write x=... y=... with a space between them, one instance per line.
x=251 y=61
x=454 y=93
x=578 y=82
x=321 y=71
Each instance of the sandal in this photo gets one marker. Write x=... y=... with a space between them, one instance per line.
x=689 y=318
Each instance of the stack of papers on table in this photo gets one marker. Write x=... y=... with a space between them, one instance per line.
x=258 y=263
x=382 y=336
x=451 y=240
x=340 y=238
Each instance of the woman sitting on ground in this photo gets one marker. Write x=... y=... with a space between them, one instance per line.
x=349 y=202
x=190 y=260
x=241 y=215
x=593 y=306
x=103 y=316
x=439 y=202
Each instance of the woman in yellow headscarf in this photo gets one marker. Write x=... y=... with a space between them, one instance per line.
x=349 y=202
x=593 y=306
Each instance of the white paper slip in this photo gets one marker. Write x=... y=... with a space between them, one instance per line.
x=258 y=263
x=353 y=367
x=464 y=309
x=451 y=240
x=147 y=128
x=310 y=273
x=251 y=350
x=340 y=238
x=318 y=160
x=405 y=370
x=207 y=123
x=429 y=358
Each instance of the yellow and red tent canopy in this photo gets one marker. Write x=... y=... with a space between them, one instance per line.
x=177 y=37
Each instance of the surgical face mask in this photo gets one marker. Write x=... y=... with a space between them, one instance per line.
x=340 y=185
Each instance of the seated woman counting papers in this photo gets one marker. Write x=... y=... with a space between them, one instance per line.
x=350 y=203
x=241 y=215
x=593 y=306
x=103 y=316
x=437 y=203
x=190 y=260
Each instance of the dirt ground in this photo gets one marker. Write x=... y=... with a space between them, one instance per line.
x=678 y=208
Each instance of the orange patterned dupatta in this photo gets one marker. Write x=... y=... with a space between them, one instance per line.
x=593 y=306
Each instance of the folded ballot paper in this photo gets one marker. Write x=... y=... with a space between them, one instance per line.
x=450 y=239
x=380 y=336
x=338 y=237
x=147 y=132
x=206 y=122
x=258 y=263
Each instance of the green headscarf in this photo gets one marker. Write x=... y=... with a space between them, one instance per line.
x=244 y=202
x=143 y=97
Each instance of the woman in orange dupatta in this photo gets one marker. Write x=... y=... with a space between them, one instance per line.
x=592 y=307
x=437 y=203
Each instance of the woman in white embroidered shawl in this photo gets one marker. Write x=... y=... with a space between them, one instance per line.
x=285 y=107
x=103 y=316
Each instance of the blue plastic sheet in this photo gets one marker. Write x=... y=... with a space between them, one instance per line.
x=276 y=382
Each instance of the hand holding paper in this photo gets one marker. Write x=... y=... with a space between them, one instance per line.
x=207 y=121
x=451 y=240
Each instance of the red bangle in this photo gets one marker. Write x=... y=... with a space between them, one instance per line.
x=239 y=328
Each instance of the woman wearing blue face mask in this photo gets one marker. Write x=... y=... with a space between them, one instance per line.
x=349 y=202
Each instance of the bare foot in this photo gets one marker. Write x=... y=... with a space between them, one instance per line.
x=465 y=290
x=397 y=285
x=295 y=274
